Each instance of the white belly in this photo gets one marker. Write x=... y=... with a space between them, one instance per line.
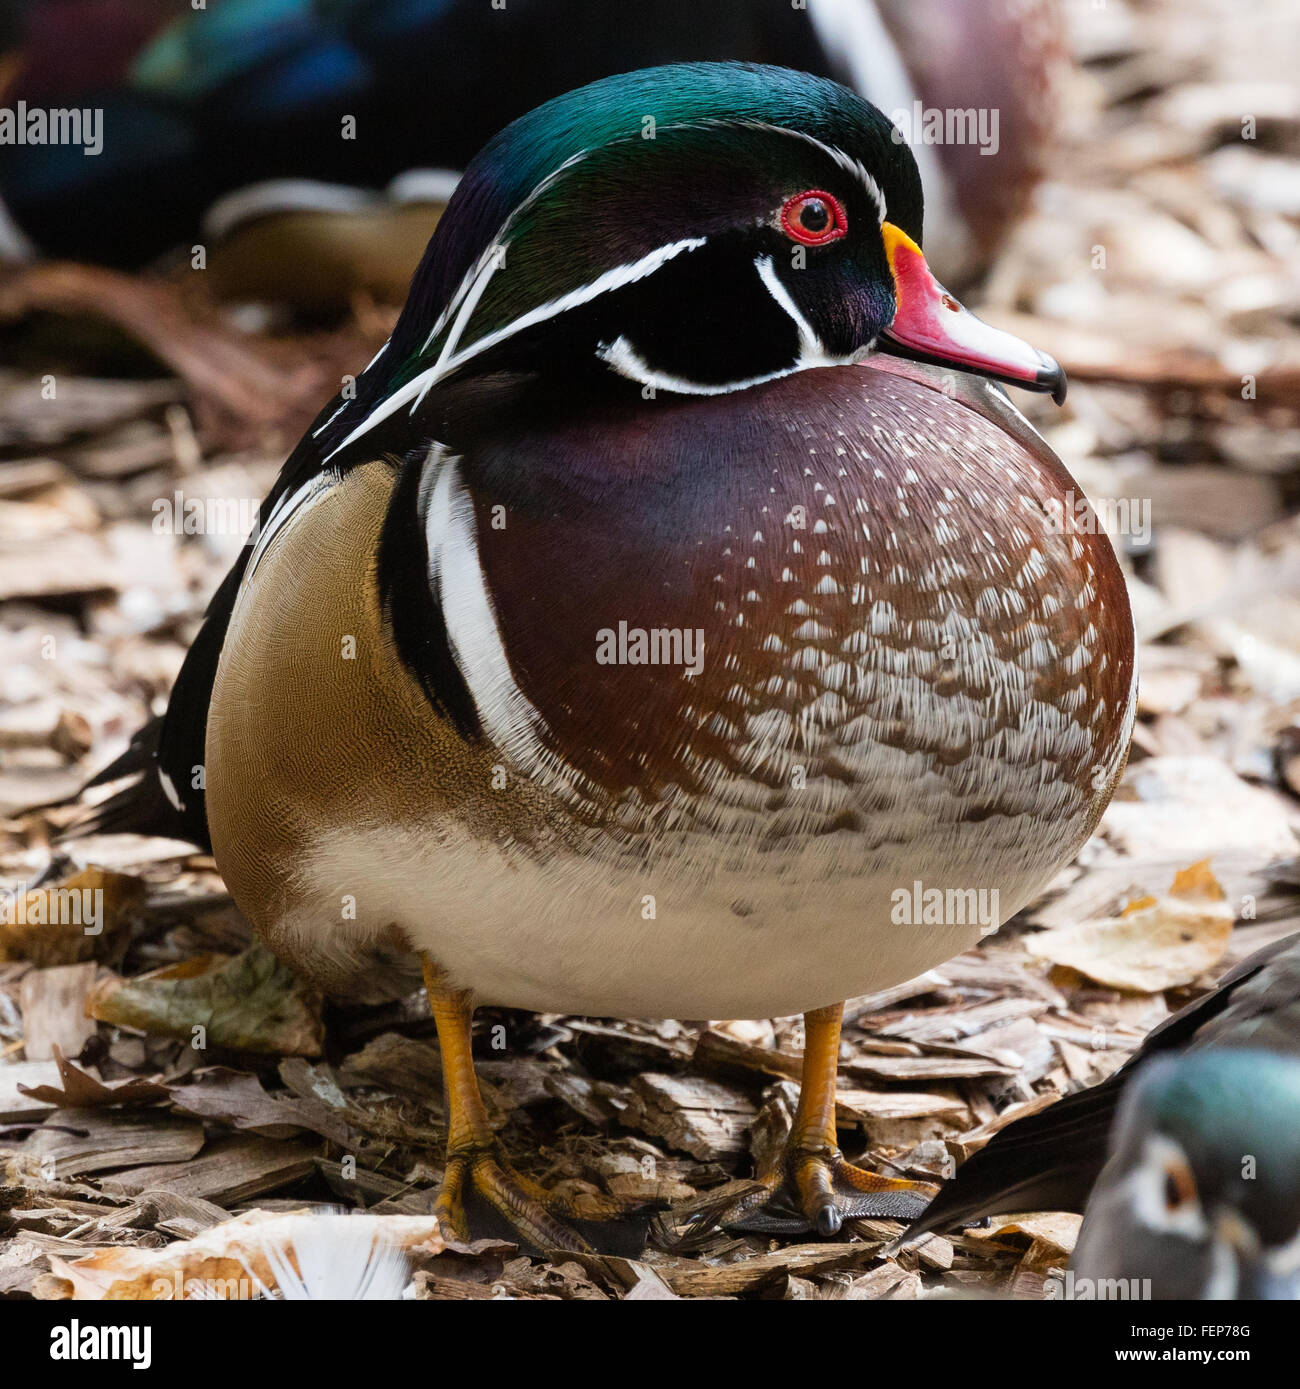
x=682 y=932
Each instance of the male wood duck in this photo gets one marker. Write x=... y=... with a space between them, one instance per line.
x=651 y=620
x=200 y=102
x=1157 y=1153
x=1200 y=1199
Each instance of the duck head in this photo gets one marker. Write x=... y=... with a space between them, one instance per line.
x=696 y=229
x=1200 y=1194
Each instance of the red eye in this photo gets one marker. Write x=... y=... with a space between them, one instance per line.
x=814 y=218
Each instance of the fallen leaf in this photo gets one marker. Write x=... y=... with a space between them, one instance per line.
x=249 y=1003
x=235 y=1098
x=1180 y=808
x=1197 y=882
x=1044 y=1231
x=80 y=918
x=80 y=1090
x=1156 y=943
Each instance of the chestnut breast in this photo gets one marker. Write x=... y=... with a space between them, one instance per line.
x=872 y=577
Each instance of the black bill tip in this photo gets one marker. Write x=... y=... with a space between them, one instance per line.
x=1051 y=377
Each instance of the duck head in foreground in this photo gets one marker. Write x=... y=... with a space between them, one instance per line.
x=1199 y=1199
x=674 y=620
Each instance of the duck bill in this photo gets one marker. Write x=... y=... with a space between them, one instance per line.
x=931 y=326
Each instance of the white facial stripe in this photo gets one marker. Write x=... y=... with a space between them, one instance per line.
x=623 y=358
x=471 y=275
x=415 y=389
x=811 y=351
x=471 y=289
x=1229 y=1238
x=468 y=305
x=611 y=280
x=491 y=256
x=458 y=583
x=853 y=167
x=320 y=429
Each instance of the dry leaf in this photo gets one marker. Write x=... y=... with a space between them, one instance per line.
x=84 y=1091
x=1156 y=943
x=249 y=1003
x=234 y=1098
x=69 y=922
x=1053 y=1232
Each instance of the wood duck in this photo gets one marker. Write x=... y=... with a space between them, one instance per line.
x=1157 y=1152
x=200 y=102
x=1200 y=1199
x=673 y=603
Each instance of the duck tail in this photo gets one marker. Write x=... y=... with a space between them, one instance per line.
x=141 y=806
x=1046 y=1161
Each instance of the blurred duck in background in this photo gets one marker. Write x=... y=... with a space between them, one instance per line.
x=1200 y=1197
x=1187 y=1159
x=310 y=145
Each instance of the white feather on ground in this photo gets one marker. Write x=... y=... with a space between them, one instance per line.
x=334 y=1256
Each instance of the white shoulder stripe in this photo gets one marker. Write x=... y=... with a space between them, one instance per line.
x=289 y=506
x=459 y=585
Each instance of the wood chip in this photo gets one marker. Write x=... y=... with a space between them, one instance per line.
x=79 y=1142
x=16 y=1079
x=229 y=1171
x=55 y=1020
x=702 y=1117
